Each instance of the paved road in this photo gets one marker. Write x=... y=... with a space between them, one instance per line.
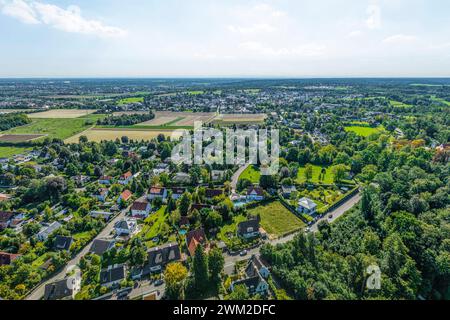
x=235 y=177
x=38 y=292
x=336 y=213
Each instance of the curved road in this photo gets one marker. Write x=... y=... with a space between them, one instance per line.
x=235 y=177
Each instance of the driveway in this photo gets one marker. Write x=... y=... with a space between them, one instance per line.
x=38 y=292
x=235 y=177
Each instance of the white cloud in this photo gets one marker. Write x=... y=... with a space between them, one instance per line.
x=255 y=28
x=68 y=20
x=400 y=39
x=20 y=10
x=354 y=34
x=374 y=17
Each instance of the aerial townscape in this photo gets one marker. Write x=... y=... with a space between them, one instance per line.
x=94 y=207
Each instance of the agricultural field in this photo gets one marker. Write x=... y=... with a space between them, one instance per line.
x=397 y=104
x=19 y=137
x=363 y=131
x=276 y=220
x=252 y=173
x=179 y=119
x=61 y=114
x=5 y=111
x=53 y=128
x=100 y=134
x=230 y=119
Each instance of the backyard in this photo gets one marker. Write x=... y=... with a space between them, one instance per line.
x=252 y=173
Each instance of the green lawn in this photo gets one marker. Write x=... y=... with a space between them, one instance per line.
x=327 y=179
x=397 y=104
x=152 y=225
x=252 y=173
x=130 y=100
x=276 y=219
x=6 y=152
x=55 y=128
x=363 y=131
x=230 y=228
x=440 y=100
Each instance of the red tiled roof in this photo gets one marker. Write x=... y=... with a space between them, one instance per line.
x=126 y=195
x=139 y=205
x=126 y=175
x=156 y=190
x=7 y=258
x=194 y=238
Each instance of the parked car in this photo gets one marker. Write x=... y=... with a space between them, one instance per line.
x=330 y=216
x=243 y=253
x=159 y=282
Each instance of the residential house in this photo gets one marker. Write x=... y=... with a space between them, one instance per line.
x=256 y=274
x=48 y=230
x=81 y=180
x=100 y=246
x=217 y=175
x=4 y=197
x=255 y=193
x=194 y=238
x=7 y=258
x=161 y=168
x=62 y=243
x=249 y=228
x=286 y=191
x=113 y=275
x=157 y=193
x=107 y=180
x=212 y=193
x=177 y=192
x=101 y=214
x=159 y=257
x=141 y=208
x=64 y=289
x=126 y=227
x=125 y=178
x=101 y=194
x=184 y=221
x=5 y=219
x=124 y=196
x=306 y=205
x=181 y=178
x=198 y=207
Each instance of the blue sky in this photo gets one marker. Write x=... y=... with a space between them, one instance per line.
x=152 y=38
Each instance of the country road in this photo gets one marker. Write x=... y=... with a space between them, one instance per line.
x=336 y=213
x=38 y=292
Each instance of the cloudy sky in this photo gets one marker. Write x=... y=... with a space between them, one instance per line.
x=286 y=38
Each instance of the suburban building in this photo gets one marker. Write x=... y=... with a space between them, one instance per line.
x=101 y=194
x=141 y=208
x=194 y=238
x=62 y=243
x=255 y=193
x=126 y=227
x=7 y=258
x=157 y=192
x=100 y=246
x=306 y=205
x=105 y=180
x=181 y=178
x=5 y=219
x=159 y=257
x=249 y=229
x=46 y=231
x=126 y=178
x=217 y=175
x=124 y=196
x=103 y=214
x=212 y=193
x=177 y=192
x=286 y=191
x=113 y=275
x=64 y=289
x=256 y=274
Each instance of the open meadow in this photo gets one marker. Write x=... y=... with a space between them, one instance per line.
x=363 y=131
x=61 y=114
x=110 y=134
x=230 y=119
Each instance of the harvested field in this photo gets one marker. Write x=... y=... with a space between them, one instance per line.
x=240 y=118
x=180 y=119
x=19 y=137
x=98 y=135
x=61 y=114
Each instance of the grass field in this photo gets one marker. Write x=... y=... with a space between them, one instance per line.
x=230 y=119
x=276 y=219
x=61 y=114
x=130 y=100
x=363 y=131
x=440 y=100
x=252 y=173
x=6 y=152
x=397 y=104
x=153 y=224
x=98 y=135
x=327 y=179
x=19 y=137
x=54 y=128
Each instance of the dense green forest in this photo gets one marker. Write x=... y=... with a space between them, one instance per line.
x=9 y=121
x=126 y=119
